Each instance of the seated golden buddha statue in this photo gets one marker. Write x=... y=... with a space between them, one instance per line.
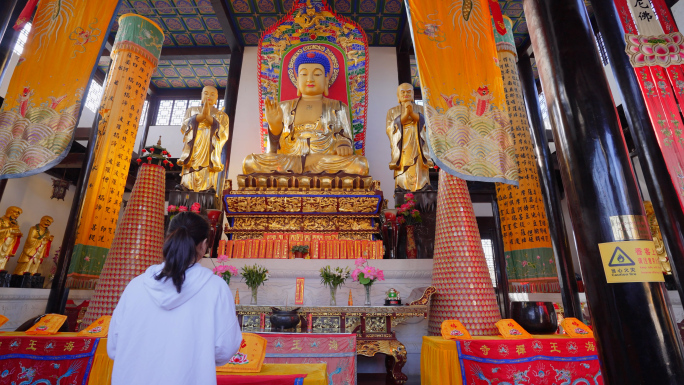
x=311 y=133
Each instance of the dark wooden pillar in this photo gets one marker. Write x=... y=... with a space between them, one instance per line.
x=404 y=49
x=152 y=111
x=549 y=186
x=637 y=339
x=660 y=188
x=500 y=261
x=230 y=106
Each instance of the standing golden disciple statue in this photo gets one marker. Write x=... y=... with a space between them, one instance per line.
x=9 y=234
x=36 y=247
x=311 y=133
x=205 y=131
x=406 y=131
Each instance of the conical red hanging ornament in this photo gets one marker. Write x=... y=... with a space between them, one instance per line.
x=459 y=270
x=135 y=247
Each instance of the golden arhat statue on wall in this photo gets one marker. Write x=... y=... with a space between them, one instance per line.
x=310 y=133
x=9 y=234
x=205 y=131
x=408 y=140
x=35 y=248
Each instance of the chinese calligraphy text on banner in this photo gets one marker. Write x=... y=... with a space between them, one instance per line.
x=134 y=57
x=469 y=132
x=530 y=264
x=45 y=95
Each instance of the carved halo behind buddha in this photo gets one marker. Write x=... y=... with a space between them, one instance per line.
x=311 y=133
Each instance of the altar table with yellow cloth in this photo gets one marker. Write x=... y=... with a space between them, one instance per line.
x=82 y=361
x=543 y=359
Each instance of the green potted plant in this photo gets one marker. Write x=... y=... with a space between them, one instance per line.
x=333 y=279
x=254 y=276
x=300 y=250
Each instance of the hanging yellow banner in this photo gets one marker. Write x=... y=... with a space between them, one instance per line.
x=469 y=132
x=44 y=98
x=134 y=57
x=530 y=264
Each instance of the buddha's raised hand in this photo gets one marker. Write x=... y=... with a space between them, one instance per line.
x=274 y=116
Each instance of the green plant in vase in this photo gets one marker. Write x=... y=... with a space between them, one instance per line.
x=254 y=276
x=299 y=250
x=333 y=279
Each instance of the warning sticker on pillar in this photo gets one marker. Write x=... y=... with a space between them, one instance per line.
x=631 y=261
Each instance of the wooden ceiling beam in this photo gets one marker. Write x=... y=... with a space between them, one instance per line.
x=183 y=93
x=189 y=53
x=194 y=53
x=223 y=16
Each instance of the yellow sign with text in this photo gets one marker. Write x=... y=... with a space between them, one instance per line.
x=631 y=261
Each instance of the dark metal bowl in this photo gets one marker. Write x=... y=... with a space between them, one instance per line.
x=535 y=317
x=284 y=319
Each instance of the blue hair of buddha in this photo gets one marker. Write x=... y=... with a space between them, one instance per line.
x=313 y=57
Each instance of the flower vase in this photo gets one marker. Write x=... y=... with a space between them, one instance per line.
x=255 y=291
x=411 y=252
x=368 y=292
x=298 y=254
x=333 y=295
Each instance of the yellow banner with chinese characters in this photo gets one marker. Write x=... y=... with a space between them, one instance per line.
x=469 y=132
x=45 y=95
x=530 y=264
x=134 y=58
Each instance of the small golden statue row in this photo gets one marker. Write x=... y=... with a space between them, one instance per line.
x=36 y=247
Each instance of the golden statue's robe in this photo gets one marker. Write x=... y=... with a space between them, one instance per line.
x=35 y=250
x=8 y=240
x=203 y=144
x=309 y=147
x=410 y=153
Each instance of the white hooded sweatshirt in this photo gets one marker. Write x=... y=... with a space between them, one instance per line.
x=160 y=336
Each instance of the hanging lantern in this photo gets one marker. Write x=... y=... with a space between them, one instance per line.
x=59 y=188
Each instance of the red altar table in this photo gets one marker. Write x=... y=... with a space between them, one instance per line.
x=337 y=350
x=541 y=360
x=82 y=361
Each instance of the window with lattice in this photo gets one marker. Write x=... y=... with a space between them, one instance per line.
x=488 y=248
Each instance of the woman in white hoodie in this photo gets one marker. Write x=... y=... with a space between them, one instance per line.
x=176 y=322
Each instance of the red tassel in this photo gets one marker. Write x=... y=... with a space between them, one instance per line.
x=25 y=15
x=495 y=10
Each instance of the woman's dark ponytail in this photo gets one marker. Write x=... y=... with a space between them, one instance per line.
x=186 y=231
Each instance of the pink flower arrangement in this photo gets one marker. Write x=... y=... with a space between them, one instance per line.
x=195 y=208
x=172 y=209
x=366 y=274
x=224 y=271
x=408 y=212
x=182 y=209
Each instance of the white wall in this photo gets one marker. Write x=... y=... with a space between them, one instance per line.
x=678 y=13
x=246 y=130
x=382 y=95
x=171 y=139
x=32 y=194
